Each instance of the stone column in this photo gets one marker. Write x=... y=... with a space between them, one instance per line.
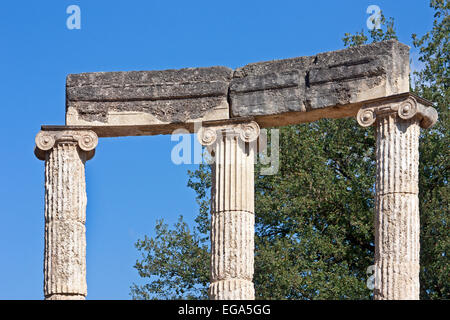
x=232 y=209
x=397 y=127
x=65 y=153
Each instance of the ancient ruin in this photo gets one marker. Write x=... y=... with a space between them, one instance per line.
x=369 y=82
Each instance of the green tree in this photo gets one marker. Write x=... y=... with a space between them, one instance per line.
x=432 y=83
x=314 y=219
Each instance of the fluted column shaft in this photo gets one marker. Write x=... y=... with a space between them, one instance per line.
x=232 y=213
x=397 y=227
x=65 y=212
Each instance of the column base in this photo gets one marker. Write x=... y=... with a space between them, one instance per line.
x=65 y=297
x=233 y=289
x=398 y=281
x=397 y=247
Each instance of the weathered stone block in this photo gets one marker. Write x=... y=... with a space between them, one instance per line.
x=275 y=93
x=147 y=97
x=300 y=89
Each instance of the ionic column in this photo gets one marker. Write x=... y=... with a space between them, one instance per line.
x=232 y=209
x=397 y=125
x=65 y=153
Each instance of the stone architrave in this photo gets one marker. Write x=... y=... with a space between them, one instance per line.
x=397 y=228
x=275 y=93
x=232 y=209
x=127 y=101
x=65 y=153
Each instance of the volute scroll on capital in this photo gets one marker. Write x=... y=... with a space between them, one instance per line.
x=247 y=132
x=405 y=108
x=86 y=140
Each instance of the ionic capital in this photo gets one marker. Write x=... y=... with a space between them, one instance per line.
x=86 y=140
x=404 y=106
x=248 y=132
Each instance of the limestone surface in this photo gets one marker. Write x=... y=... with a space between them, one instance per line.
x=232 y=210
x=397 y=227
x=65 y=154
x=147 y=97
x=327 y=85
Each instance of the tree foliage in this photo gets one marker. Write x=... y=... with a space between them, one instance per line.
x=432 y=83
x=314 y=219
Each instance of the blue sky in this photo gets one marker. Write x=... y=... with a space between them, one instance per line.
x=131 y=181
